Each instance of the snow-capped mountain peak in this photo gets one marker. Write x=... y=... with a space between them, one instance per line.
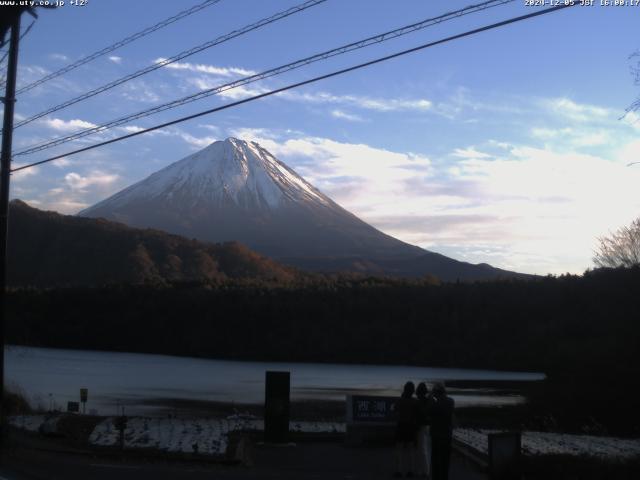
x=229 y=171
x=234 y=190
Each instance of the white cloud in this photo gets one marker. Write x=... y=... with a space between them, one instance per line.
x=80 y=183
x=127 y=129
x=550 y=133
x=556 y=203
x=115 y=59
x=239 y=93
x=578 y=112
x=529 y=209
x=576 y=137
x=502 y=145
x=592 y=139
x=61 y=162
x=67 y=205
x=630 y=153
x=28 y=74
x=209 y=69
x=140 y=91
x=632 y=119
x=235 y=93
x=460 y=105
x=469 y=153
x=366 y=103
x=73 y=195
x=254 y=133
x=131 y=129
x=23 y=174
x=350 y=117
x=212 y=128
x=361 y=177
x=59 y=57
x=67 y=125
x=197 y=142
x=355 y=101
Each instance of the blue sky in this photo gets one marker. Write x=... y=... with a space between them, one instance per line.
x=506 y=147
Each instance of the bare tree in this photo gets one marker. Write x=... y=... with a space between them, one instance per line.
x=621 y=248
x=635 y=71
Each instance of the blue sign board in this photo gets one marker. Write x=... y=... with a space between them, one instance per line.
x=370 y=409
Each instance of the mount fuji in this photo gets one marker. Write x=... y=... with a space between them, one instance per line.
x=234 y=190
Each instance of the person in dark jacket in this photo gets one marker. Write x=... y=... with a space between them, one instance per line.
x=406 y=431
x=441 y=432
x=423 y=447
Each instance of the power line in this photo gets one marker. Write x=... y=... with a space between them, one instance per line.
x=305 y=82
x=266 y=74
x=121 y=43
x=24 y=34
x=3 y=68
x=175 y=58
x=3 y=73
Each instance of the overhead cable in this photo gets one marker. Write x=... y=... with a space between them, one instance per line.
x=382 y=37
x=6 y=52
x=119 y=44
x=224 y=38
x=300 y=84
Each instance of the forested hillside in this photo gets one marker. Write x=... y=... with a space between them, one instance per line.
x=48 y=249
x=583 y=331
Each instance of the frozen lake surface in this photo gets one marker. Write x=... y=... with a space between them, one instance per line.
x=54 y=376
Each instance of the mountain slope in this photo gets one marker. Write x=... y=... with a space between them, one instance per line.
x=236 y=190
x=49 y=249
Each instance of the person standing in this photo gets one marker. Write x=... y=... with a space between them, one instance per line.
x=441 y=432
x=423 y=453
x=406 y=410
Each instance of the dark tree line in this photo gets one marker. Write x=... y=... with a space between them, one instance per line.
x=583 y=331
x=48 y=249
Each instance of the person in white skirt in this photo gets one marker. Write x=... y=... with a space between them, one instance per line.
x=423 y=445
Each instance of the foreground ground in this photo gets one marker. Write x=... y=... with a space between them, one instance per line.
x=210 y=436
x=34 y=460
x=67 y=453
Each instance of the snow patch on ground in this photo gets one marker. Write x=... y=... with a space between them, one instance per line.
x=211 y=435
x=543 y=443
x=30 y=423
x=167 y=434
x=181 y=434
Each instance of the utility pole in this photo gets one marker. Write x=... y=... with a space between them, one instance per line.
x=9 y=101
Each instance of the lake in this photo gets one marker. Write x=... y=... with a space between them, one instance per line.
x=52 y=377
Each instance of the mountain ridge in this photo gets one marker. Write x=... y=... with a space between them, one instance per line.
x=234 y=190
x=49 y=249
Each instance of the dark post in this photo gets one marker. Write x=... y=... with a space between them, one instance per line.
x=276 y=407
x=84 y=393
x=121 y=425
x=504 y=455
x=5 y=172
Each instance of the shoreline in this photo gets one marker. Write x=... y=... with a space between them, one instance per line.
x=534 y=376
